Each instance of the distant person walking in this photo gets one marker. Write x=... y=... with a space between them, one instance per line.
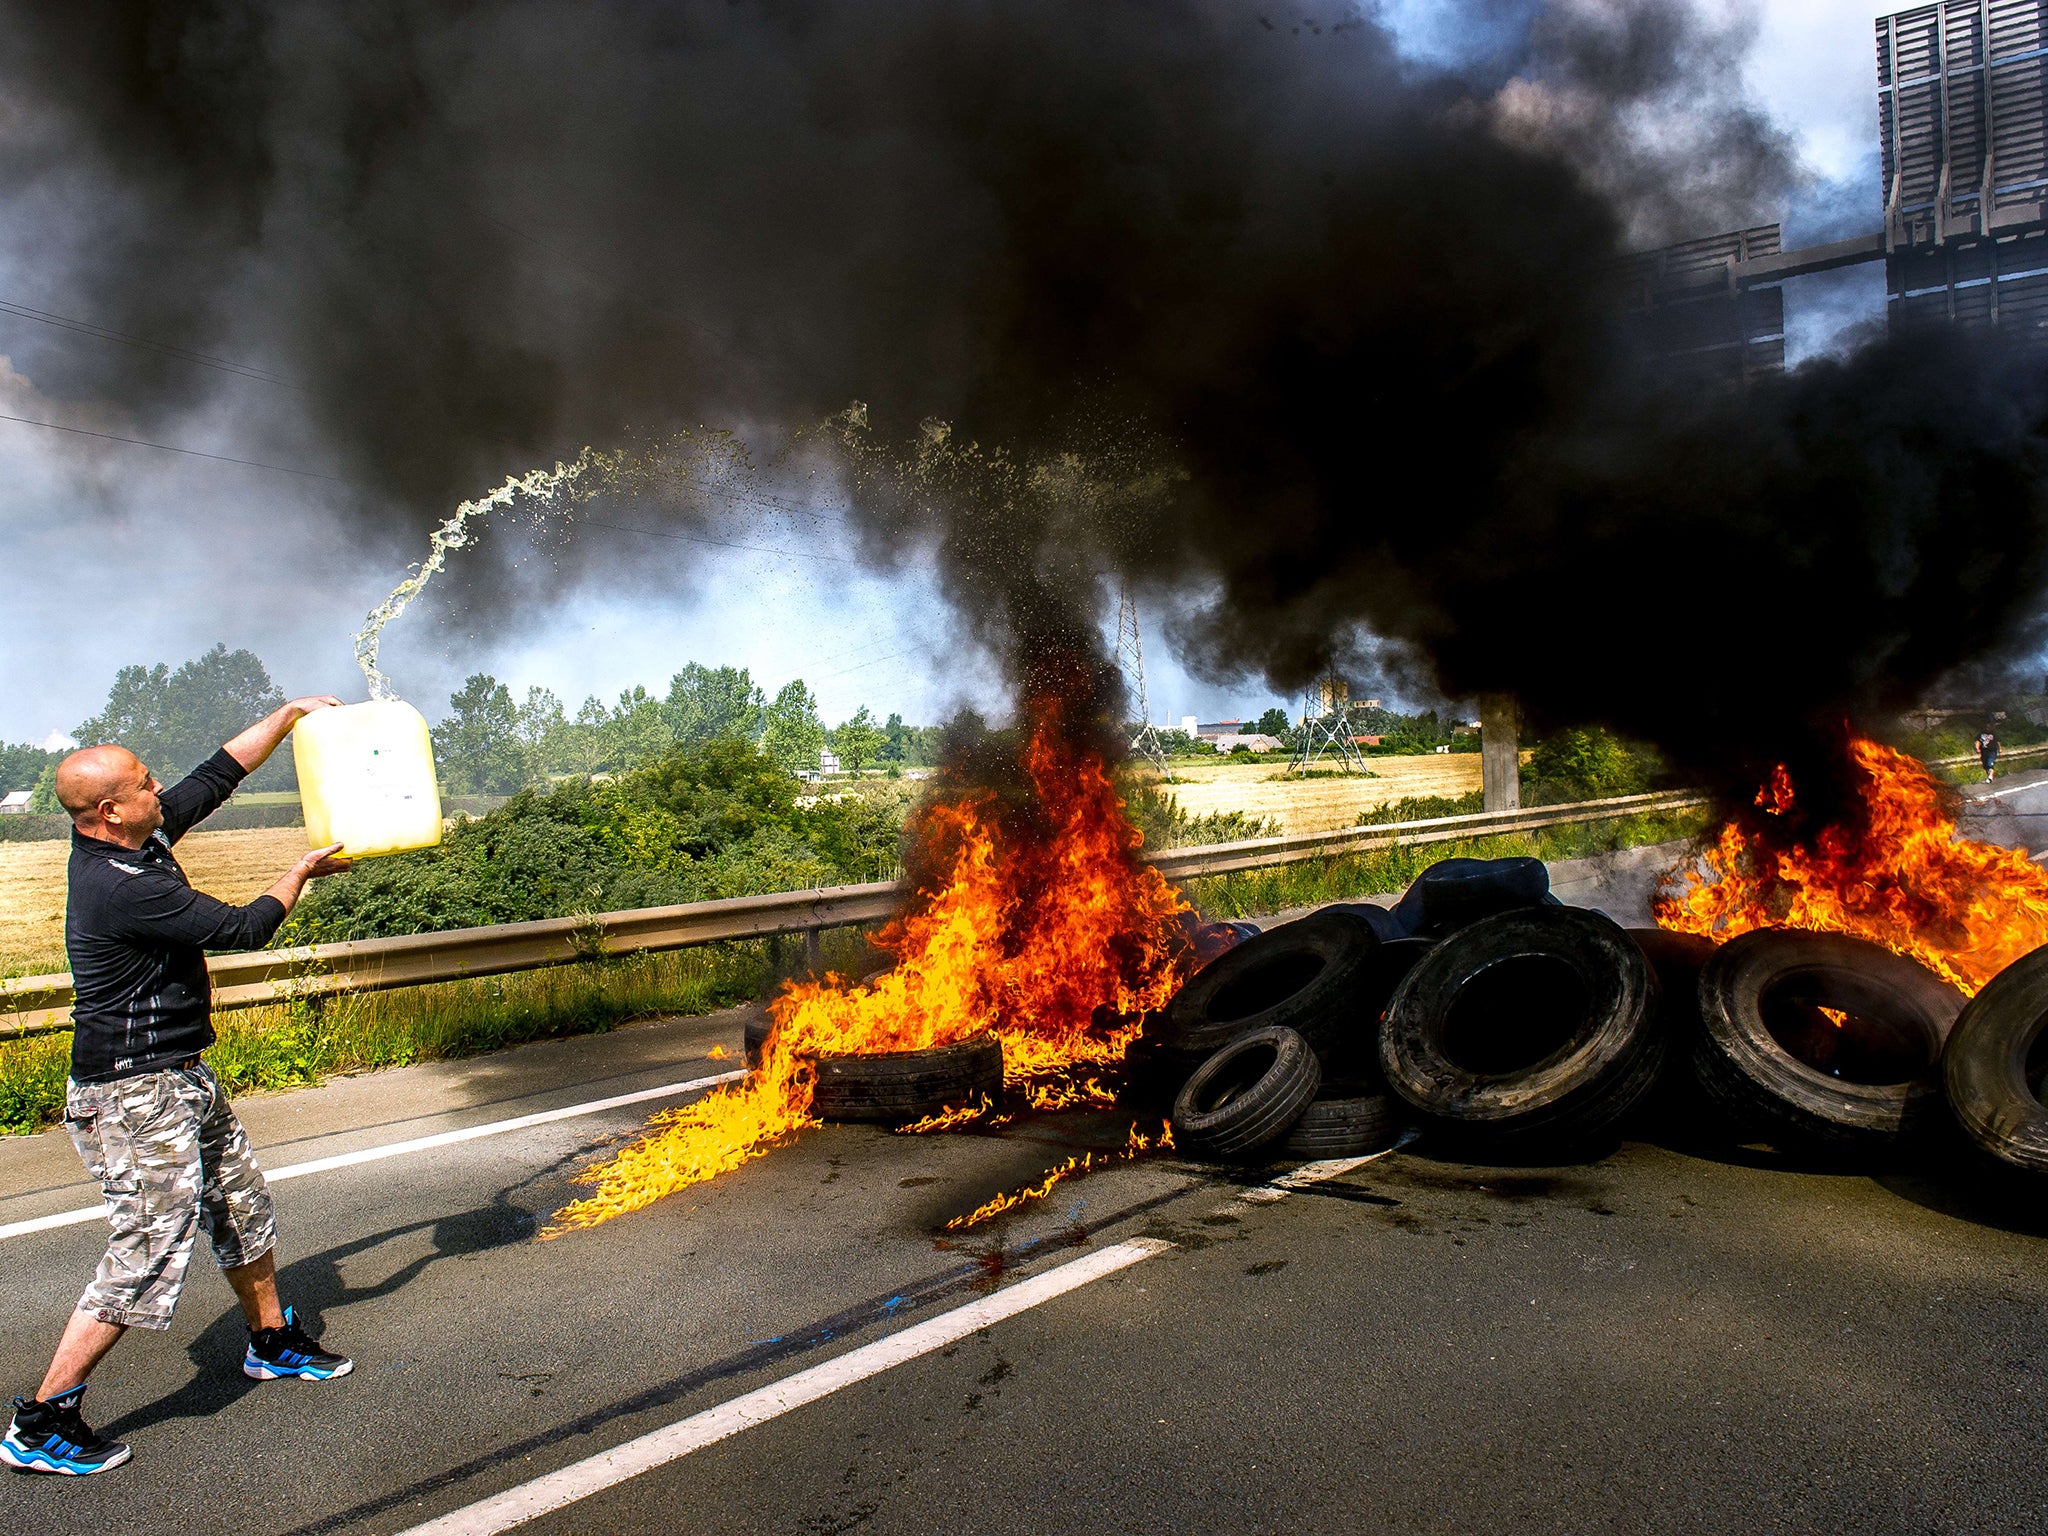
x=143 y=1109
x=1987 y=752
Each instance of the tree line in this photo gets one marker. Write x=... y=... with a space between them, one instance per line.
x=490 y=743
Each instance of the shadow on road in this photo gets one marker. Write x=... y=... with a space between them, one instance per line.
x=313 y=1284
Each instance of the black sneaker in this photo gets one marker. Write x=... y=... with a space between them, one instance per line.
x=51 y=1437
x=286 y=1351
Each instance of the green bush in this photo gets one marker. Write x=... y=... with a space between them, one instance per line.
x=715 y=820
x=1422 y=808
x=1586 y=763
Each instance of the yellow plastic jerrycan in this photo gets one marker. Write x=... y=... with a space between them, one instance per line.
x=366 y=778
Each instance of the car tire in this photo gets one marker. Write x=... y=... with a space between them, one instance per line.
x=1304 y=975
x=1994 y=1065
x=1349 y=1123
x=1248 y=1094
x=1537 y=1024
x=1760 y=998
x=896 y=1087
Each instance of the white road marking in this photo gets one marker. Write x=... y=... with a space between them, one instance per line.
x=401 y=1148
x=1316 y=1173
x=607 y=1469
x=2017 y=789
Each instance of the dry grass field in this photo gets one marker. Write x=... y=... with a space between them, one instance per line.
x=235 y=866
x=1319 y=805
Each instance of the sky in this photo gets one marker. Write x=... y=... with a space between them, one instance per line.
x=113 y=554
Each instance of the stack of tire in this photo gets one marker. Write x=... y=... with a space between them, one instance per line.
x=1276 y=1047
x=1535 y=1029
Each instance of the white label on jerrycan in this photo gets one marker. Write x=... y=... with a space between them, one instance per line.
x=366 y=779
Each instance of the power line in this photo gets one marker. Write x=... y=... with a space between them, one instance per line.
x=863 y=666
x=194 y=453
x=105 y=333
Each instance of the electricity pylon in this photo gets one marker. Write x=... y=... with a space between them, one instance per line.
x=1326 y=728
x=1130 y=660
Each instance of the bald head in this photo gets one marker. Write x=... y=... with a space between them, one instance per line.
x=110 y=794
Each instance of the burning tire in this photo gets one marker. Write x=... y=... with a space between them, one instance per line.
x=1350 y=1123
x=1305 y=976
x=1247 y=1094
x=1995 y=1066
x=895 y=1087
x=755 y=1036
x=1538 y=1024
x=1821 y=1040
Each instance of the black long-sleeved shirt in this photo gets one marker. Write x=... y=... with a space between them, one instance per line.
x=138 y=934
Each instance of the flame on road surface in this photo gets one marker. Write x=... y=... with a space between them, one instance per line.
x=1894 y=873
x=1136 y=1145
x=1045 y=929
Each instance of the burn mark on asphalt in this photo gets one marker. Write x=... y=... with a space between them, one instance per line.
x=1266 y=1267
x=997 y=1372
x=919 y=1182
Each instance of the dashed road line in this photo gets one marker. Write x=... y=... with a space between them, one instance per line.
x=415 y=1144
x=607 y=1469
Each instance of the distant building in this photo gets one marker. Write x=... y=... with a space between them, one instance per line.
x=828 y=762
x=15 y=802
x=1251 y=741
x=1366 y=741
x=1214 y=730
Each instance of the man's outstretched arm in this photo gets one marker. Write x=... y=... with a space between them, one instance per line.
x=253 y=747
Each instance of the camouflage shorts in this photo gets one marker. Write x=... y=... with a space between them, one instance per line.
x=171 y=1159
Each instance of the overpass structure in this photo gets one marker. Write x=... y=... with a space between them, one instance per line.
x=1962 y=91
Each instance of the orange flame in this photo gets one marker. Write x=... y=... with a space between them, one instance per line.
x=1137 y=1144
x=1896 y=874
x=1042 y=925
x=947 y=1119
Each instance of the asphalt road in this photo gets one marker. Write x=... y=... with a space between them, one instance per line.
x=1655 y=1341
x=2011 y=811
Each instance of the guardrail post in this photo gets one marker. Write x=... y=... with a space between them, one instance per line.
x=1500 y=753
x=814 y=952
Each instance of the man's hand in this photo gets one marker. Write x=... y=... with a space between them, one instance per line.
x=323 y=861
x=311 y=866
x=301 y=708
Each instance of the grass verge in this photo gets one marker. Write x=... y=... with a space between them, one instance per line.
x=1340 y=877
x=297 y=1045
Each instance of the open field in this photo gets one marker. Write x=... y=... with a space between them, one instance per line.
x=235 y=866
x=1318 y=805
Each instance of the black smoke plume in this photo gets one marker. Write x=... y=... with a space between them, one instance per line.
x=1345 y=317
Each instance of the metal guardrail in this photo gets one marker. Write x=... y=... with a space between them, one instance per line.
x=2004 y=753
x=34 y=1004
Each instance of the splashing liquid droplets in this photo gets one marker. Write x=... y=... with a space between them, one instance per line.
x=578 y=480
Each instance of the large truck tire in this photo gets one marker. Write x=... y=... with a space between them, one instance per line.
x=1304 y=975
x=1538 y=1024
x=1779 y=1067
x=1996 y=1061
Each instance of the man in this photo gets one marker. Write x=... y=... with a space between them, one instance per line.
x=145 y=1112
x=1987 y=752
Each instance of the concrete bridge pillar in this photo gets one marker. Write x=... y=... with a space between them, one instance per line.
x=1500 y=753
